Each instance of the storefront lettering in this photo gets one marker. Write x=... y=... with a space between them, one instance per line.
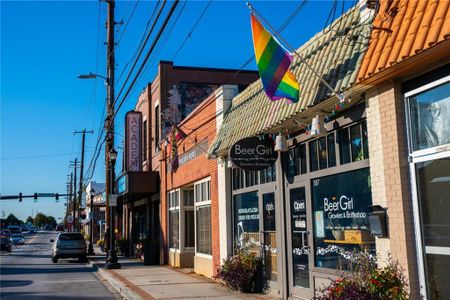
x=299 y=206
x=260 y=150
x=270 y=207
x=344 y=203
x=133 y=141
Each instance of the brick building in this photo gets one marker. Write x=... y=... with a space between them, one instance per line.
x=174 y=94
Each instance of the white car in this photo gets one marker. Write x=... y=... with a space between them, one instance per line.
x=17 y=239
x=69 y=245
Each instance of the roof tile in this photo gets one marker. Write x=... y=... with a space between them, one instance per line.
x=402 y=29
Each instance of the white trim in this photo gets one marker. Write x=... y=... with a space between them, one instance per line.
x=208 y=256
x=430 y=156
x=418 y=232
x=428 y=86
x=437 y=250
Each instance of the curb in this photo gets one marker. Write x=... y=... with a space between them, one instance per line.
x=122 y=288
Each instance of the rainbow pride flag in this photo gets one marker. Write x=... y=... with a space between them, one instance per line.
x=273 y=64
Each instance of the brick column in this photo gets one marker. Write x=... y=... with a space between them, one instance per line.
x=389 y=171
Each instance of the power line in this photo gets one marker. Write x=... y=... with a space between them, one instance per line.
x=140 y=44
x=158 y=36
x=192 y=30
x=141 y=50
x=128 y=21
x=41 y=155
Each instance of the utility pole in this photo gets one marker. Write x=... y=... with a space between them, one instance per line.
x=80 y=188
x=69 y=191
x=109 y=145
x=74 y=198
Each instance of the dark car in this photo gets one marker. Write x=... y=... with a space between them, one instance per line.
x=6 y=232
x=60 y=227
x=5 y=244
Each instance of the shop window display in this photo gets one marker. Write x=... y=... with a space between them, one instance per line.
x=430 y=117
x=246 y=222
x=341 y=204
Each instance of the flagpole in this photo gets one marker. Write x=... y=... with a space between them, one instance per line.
x=292 y=49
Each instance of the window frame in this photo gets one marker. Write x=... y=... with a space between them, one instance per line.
x=170 y=208
x=197 y=206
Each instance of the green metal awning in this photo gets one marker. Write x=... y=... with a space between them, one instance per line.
x=335 y=53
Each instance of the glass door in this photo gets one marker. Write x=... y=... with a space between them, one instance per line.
x=269 y=239
x=433 y=201
x=299 y=257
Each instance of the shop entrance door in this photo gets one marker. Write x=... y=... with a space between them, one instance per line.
x=432 y=198
x=269 y=252
x=299 y=251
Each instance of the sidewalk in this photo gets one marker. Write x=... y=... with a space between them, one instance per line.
x=136 y=281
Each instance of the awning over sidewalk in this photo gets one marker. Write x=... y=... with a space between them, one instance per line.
x=335 y=53
x=131 y=186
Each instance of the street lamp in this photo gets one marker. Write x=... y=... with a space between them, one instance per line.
x=112 y=260
x=92 y=76
x=91 y=229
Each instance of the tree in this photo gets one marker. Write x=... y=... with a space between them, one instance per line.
x=12 y=220
x=51 y=221
x=30 y=220
x=40 y=220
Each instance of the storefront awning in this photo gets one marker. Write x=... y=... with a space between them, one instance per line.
x=335 y=53
x=132 y=186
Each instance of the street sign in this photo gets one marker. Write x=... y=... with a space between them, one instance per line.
x=113 y=200
x=69 y=219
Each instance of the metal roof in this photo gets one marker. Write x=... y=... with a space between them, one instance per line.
x=335 y=53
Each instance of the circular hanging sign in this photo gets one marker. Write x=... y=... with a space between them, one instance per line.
x=253 y=154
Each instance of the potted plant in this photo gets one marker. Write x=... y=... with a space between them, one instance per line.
x=241 y=272
x=367 y=281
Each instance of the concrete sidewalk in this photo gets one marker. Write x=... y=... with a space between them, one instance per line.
x=136 y=281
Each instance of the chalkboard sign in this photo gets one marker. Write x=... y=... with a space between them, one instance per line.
x=253 y=154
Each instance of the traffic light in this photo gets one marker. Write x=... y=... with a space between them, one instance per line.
x=57 y=197
x=35 y=197
x=20 y=197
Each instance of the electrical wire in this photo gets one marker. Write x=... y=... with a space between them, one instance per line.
x=128 y=21
x=140 y=51
x=158 y=36
x=192 y=30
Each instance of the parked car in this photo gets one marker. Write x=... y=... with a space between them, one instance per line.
x=32 y=229
x=14 y=229
x=5 y=244
x=6 y=232
x=17 y=239
x=24 y=229
x=69 y=245
x=60 y=227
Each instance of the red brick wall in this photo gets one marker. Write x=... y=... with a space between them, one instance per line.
x=168 y=75
x=200 y=126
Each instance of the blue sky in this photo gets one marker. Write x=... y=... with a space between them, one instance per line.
x=46 y=45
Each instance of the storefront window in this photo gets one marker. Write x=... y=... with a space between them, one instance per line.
x=174 y=219
x=246 y=221
x=174 y=235
x=202 y=196
x=270 y=236
x=340 y=206
x=297 y=160
x=267 y=175
x=430 y=117
x=355 y=137
x=331 y=148
x=322 y=143
x=353 y=143
x=204 y=243
x=313 y=160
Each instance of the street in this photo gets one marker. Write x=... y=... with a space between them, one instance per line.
x=28 y=273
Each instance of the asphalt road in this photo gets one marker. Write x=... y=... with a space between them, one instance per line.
x=28 y=273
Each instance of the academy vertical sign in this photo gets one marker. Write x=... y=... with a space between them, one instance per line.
x=133 y=141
